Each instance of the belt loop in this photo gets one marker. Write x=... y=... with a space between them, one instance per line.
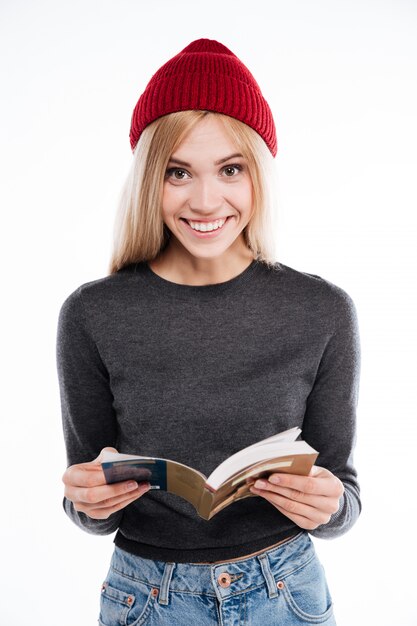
x=269 y=579
x=166 y=579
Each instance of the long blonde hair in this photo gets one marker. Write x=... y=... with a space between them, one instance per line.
x=140 y=234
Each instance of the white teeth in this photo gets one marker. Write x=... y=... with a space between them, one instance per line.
x=206 y=226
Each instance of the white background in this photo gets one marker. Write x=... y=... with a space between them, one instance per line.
x=340 y=77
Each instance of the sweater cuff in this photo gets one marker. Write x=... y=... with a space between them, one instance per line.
x=90 y=525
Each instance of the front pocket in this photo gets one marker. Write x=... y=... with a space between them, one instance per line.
x=125 y=608
x=307 y=595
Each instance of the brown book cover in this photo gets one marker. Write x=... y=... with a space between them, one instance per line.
x=229 y=482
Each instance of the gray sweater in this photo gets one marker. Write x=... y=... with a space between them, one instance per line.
x=194 y=374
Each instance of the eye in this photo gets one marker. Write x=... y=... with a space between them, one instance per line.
x=176 y=173
x=231 y=170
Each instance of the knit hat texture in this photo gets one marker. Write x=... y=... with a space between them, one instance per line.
x=205 y=76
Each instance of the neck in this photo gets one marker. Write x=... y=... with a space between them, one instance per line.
x=178 y=266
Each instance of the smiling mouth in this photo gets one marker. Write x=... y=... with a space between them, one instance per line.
x=206 y=227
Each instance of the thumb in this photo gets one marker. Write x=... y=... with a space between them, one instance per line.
x=99 y=459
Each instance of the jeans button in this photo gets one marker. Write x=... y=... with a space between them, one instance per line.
x=224 y=580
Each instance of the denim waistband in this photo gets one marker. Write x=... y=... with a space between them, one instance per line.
x=221 y=579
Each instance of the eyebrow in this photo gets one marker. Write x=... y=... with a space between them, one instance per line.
x=219 y=162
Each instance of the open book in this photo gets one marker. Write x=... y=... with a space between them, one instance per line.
x=230 y=481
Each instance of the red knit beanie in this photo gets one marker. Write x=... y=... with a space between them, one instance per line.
x=205 y=76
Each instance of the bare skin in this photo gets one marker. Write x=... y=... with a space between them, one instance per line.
x=214 y=182
x=86 y=487
x=309 y=501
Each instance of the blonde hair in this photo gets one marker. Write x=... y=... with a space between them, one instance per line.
x=140 y=234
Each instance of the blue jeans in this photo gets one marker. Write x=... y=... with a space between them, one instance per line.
x=285 y=586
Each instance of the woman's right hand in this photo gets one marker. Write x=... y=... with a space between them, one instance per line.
x=86 y=487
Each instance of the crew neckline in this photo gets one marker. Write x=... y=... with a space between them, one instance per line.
x=190 y=291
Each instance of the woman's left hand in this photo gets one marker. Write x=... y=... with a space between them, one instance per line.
x=309 y=501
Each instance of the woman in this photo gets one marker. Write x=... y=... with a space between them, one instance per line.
x=196 y=345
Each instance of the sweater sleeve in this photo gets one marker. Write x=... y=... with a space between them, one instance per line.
x=330 y=418
x=88 y=417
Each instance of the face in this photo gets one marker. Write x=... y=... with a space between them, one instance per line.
x=207 y=195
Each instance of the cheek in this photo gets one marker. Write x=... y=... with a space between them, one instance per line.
x=170 y=200
x=243 y=198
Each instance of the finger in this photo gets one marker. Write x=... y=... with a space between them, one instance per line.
x=322 y=483
x=294 y=508
x=302 y=522
x=104 y=513
x=87 y=474
x=324 y=503
x=317 y=515
x=93 y=495
x=98 y=460
x=111 y=502
x=84 y=475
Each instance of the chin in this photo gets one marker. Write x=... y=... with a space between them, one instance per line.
x=198 y=253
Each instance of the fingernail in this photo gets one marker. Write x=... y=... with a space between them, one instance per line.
x=275 y=480
x=132 y=485
x=261 y=484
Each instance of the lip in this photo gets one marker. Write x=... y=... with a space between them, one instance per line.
x=205 y=221
x=205 y=235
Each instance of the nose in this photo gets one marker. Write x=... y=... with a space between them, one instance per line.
x=205 y=197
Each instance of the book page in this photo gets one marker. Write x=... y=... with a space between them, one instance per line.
x=285 y=436
x=255 y=454
x=238 y=486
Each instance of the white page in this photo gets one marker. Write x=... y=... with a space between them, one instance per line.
x=255 y=454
